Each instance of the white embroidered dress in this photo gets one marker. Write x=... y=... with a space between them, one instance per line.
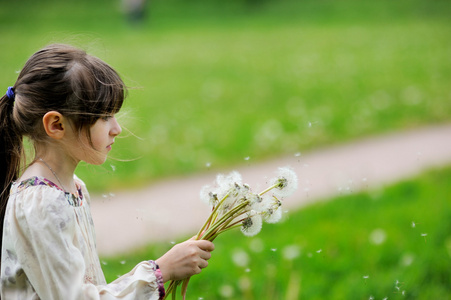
x=49 y=250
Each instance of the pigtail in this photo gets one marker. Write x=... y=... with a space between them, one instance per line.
x=11 y=149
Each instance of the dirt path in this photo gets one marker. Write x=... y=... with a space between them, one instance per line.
x=171 y=210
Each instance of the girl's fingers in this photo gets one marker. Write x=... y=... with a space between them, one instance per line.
x=205 y=255
x=206 y=245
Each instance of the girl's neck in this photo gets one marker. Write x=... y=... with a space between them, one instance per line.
x=56 y=167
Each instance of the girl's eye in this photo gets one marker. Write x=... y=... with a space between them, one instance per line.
x=106 y=118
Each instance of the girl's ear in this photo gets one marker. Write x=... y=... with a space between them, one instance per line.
x=54 y=125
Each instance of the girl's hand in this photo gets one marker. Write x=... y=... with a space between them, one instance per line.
x=185 y=259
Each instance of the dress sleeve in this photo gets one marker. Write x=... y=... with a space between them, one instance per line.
x=44 y=228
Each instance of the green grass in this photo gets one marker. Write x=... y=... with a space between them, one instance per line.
x=346 y=230
x=214 y=83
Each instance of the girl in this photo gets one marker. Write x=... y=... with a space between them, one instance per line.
x=65 y=101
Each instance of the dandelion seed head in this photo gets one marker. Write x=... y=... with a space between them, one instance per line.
x=207 y=196
x=252 y=224
x=227 y=182
x=273 y=215
x=287 y=181
x=257 y=203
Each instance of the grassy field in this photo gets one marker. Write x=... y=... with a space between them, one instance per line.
x=214 y=83
x=393 y=243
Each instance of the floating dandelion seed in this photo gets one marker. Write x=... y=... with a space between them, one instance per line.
x=310 y=124
x=104 y=263
x=413 y=224
x=319 y=251
x=297 y=154
x=371 y=298
x=123 y=262
x=273 y=249
x=424 y=235
x=113 y=167
x=247 y=158
x=208 y=164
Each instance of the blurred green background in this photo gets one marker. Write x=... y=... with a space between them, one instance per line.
x=214 y=82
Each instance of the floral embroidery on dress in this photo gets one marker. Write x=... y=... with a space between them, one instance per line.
x=73 y=199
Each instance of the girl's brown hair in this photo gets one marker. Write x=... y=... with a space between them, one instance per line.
x=59 y=78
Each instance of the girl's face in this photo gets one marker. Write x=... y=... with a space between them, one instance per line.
x=103 y=133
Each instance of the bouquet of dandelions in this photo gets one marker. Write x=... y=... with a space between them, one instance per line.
x=234 y=205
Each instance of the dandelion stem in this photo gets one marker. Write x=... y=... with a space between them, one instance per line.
x=211 y=219
x=234 y=225
x=233 y=213
x=270 y=188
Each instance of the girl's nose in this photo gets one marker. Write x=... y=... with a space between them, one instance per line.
x=116 y=128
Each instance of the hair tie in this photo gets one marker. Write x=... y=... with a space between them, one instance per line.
x=10 y=93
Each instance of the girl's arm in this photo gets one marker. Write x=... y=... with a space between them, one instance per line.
x=53 y=255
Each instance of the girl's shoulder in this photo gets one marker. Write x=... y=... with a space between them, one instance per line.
x=34 y=181
x=43 y=186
